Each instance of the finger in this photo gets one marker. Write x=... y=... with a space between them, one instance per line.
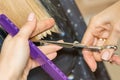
x=105 y=34
x=89 y=39
x=43 y=25
x=88 y=56
x=51 y=56
x=47 y=49
x=27 y=29
x=97 y=55
x=33 y=63
x=115 y=59
x=112 y=40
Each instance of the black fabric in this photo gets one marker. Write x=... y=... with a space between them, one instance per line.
x=3 y=35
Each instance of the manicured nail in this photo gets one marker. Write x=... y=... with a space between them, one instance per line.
x=106 y=55
x=31 y=17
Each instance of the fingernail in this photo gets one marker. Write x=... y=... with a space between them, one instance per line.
x=93 y=70
x=94 y=67
x=106 y=55
x=51 y=20
x=31 y=17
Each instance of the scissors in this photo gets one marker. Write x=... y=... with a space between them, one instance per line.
x=78 y=45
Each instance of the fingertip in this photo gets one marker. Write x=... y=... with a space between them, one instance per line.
x=116 y=59
x=28 y=27
x=93 y=65
x=43 y=25
x=50 y=22
x=31 y=16
x=51 y=56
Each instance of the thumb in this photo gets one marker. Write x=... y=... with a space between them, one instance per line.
x=112 y=40
x=27 y=29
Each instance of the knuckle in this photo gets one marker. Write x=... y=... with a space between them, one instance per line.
x=20 y=37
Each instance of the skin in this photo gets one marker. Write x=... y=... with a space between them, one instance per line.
x=105 y=25
x=15 y=60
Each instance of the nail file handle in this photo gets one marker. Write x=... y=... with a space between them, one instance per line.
x=35 y=53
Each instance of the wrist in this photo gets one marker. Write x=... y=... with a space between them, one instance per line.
x=4 y=76
x=7 y=73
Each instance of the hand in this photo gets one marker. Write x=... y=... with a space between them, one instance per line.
x=103 y=29
x=15 y=60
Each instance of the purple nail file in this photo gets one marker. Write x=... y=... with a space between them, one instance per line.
x=35 y=53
